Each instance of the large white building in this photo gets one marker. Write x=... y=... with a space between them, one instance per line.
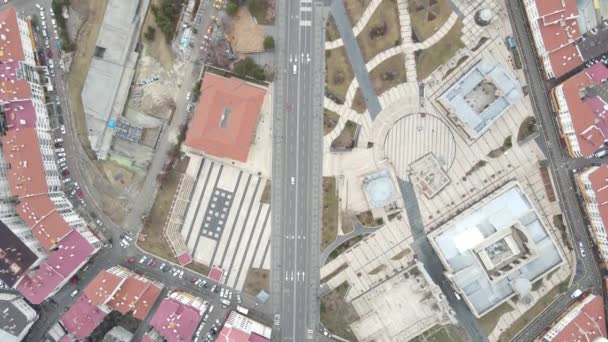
x=496 y=249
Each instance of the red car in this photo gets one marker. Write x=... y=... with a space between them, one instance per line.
x=130 y=260
x=80 y=194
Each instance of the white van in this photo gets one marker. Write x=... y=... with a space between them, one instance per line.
x=74 y=293
x=577 y=293
x=295 y=69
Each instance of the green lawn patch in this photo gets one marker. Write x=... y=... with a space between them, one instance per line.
x=331 y=30
x=427 y=16
x=330 y=212
x=339 y=74
x=337 y=314
x=359 y=105
x=330 y=120
x=355 y=9
x=388 y=74
x=488 y=321
x=346 y=139
x=430 y=59
x=381 y=32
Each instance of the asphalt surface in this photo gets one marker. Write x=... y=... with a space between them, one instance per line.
x=587 y=275
x=297 y=158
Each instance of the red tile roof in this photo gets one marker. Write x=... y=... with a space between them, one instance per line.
x=20 y=114
x=72 y=252
x=225 y=118
x=588 y=323
x=26 y=175
x=175 y=321
x=101 y=289
x=184 y=259
x=135 y=294
x=82 y=318
x=37 y=287
x=559 y=31
x=216 y=273
x=11 y=87
x=10 y=39
x=588 y=114
x=146 y=301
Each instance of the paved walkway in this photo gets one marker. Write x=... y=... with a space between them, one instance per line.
x=358 y=229
x=356 y=58
x=445 y=28
x=407 y=44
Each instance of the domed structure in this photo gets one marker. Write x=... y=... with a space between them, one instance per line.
x=484 y=17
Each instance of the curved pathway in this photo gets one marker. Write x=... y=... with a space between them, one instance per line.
x=445 y=28
x=358 y=229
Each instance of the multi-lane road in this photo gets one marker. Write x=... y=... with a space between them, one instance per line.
x=587 y=275
x=297 y=158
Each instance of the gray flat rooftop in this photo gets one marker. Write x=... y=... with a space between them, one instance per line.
x=112 y=68
x=480 y=96
x=457 y=240
x=12 y=320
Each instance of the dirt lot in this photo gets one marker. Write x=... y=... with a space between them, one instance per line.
x=246 y=36
x=355 y=9
x=427 y=16
x=346 y=139
x=257 y=280
x=91 y=14
x=330 y=212
x=430 y=59
x=381 y=32
x=337 y=314
x=388 y=74
x=263 y=11
x=330 y=120
x=154 y=240
x=339 y=74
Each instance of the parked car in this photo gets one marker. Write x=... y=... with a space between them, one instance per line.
x=582 y=249
x=130 y=260
x=143 y=259
x=577 y=293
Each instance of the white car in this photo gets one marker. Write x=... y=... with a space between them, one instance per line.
x=50 y=63
x=222 y=293
x=53 y=21
x=62 y=129
x=143 y=259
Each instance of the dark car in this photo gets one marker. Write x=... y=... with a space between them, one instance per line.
x=65 y=173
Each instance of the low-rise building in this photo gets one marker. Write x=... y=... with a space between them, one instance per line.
x=240 y=328
x=111 y=71
x=592 y=183
x=481 y=96
x=555 y=30
x=583 y=321
x=224 y=122
x=16 y=317
x=114 y=289
x=177 y=317
x=581 y=106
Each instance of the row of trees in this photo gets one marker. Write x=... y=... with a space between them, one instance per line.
x=167 y=15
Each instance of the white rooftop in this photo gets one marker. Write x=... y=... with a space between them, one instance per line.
x=482 y=95
x=456 y=241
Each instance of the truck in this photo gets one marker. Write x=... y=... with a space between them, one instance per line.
x=242 y=310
